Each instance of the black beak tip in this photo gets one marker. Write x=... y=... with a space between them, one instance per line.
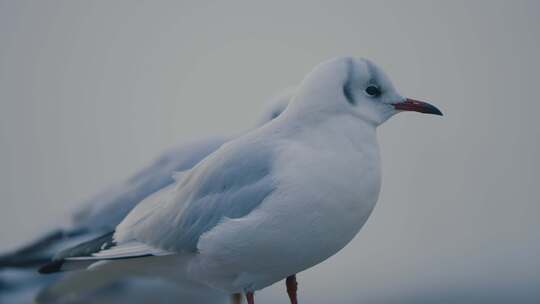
x=433 y=110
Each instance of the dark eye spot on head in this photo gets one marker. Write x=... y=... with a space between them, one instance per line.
x=275 y=114
x=373 y=91
x=348 y=94
x=347 y=86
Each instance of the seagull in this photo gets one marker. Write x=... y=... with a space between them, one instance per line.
x=104 y=211
x=266 y=205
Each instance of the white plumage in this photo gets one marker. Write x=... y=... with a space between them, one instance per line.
x=276 y=201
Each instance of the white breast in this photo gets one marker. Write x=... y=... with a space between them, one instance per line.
x=333 y=181
x=326 y=191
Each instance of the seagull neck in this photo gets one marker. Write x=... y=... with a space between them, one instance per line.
x=331 y=129
x=300 y=118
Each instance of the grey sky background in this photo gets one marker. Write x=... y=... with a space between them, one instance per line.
x=90 y=91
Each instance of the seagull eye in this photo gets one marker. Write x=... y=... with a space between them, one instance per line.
x=373 y=91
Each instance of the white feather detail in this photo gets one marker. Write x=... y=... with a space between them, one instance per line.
x=127 y=250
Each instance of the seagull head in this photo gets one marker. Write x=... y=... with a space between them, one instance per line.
x=354 y=86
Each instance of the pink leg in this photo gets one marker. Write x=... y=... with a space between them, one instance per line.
x=292 y=287
x=250 y=297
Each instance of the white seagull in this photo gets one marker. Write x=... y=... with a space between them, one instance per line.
x=104 y=211
x=267 y=205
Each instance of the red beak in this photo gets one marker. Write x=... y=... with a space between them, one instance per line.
x=417 y=106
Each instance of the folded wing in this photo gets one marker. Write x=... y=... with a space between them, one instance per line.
x=230 y=183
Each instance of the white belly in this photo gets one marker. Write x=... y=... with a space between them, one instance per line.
x=320 y=204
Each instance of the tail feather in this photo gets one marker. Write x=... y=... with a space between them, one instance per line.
x=102 y=248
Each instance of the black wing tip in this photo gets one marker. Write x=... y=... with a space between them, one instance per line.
x=85 y=249
x=52 y=267
x=23 y=262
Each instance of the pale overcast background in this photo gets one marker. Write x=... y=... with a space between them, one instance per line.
x=90 y=91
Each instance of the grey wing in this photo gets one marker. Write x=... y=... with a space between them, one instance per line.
x=228 y=184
